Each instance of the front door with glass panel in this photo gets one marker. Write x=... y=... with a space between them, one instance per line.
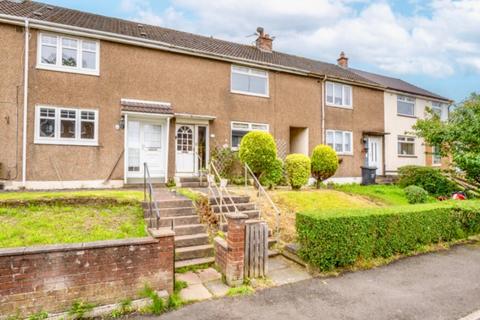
x=145 y=146
x=375 y=154
x=185 y=148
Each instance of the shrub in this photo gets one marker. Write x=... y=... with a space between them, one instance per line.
x=340 y=238
x=430 y=179
x=258 y=150
x=273 y=175
x=324 y=163
x=416 y=194
x=297 y=167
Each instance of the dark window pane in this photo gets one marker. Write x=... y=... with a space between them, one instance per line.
x=47 y=128
x=237 y=137
x=87 y=130
x=67 y=129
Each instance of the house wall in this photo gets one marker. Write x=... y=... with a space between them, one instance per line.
x=192 y=85
x=364 y=116
x=398 y=125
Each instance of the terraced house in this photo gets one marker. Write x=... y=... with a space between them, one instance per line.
x=85 y=100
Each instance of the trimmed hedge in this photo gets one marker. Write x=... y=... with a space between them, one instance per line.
x=430 y=179
x=259 y=151
x=340 y=238
x=297 y=167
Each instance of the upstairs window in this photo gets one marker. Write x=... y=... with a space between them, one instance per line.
x=56 y=125
x=240 y=129
x=249 y=81
x=340 y=141
x=405 y=106
x=338 y=95
x=69 y=54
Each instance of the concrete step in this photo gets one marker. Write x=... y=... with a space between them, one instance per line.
x=191 y=240
x=236 y=199
x=177 y=221
x=176 y=203
x=172 y=212
x=252 y=214
x=194 y=252
x=190 y=179
x=194 y=262
x=193 y=184
x=273 y=253
x=189 y=229
x=240 y=207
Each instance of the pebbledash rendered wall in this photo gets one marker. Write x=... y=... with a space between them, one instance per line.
x=51 y=278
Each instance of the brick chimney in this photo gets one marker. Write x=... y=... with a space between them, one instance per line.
x=343 y=60
x=264 y=41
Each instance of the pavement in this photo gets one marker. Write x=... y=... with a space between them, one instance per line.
x=442 y=285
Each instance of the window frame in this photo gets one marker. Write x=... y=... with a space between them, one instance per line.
x=414 y=142
x=58 y=66
x=401 y=96
x=56 y=139
x=249 y=73
x=344 y=133
x=333 y=104
x=250 y=128
x=436 y=157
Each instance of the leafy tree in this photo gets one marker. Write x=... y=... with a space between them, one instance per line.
x=324 y=163
x=458 y=137
x=259 y=151
x=297 y=167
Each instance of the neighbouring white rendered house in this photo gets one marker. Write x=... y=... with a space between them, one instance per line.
x=404 y=105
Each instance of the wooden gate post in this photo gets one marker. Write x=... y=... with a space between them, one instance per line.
x=236 y=248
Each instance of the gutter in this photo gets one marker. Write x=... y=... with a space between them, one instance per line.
x=25 y=103
x=152 y=44
x=323 y=109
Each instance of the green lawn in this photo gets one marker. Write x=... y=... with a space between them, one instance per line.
x=389 y=195
x=121 y=195
x=37 y=223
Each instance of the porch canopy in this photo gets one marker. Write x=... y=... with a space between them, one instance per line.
x=143 y=106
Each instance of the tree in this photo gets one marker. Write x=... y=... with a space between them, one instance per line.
x=259 y=151
x=297 y=167
x=324 y=163
x=458 y=137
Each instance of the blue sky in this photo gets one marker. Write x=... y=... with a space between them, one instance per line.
x=431 y=43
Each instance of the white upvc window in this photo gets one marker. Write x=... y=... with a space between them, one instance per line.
x=340 y=141
x=70 y=126
x=338 y=95
x=249 y=81
x=436 y=156
x=405 y=106
x=68 y=54
x=406 y=146
x=240 y=129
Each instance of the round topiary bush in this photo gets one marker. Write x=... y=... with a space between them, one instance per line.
x=324 y=163
x=416 y=194
x=273 y=175
x=259 y=151
x=297 y=167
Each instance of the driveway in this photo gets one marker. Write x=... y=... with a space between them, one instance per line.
x=443 y=285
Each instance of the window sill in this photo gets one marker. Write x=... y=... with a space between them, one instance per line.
x=406 y=116
x=250 y=94
x=67 y=143
x=68 y=70
x=339 y=106
x=344 y=154
x=407 y=156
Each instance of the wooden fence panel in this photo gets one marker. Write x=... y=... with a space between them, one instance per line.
x=256 y=249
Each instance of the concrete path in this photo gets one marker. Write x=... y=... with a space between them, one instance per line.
x=444 y=285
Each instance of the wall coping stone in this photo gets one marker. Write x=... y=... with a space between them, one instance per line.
x=161 y=233
x=220 y=241
x=75 y=246
x=236 y=216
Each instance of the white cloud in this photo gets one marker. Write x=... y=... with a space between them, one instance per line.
x=440 y=36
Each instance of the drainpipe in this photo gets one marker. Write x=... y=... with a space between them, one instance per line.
x=323 y=109
x=25 y=105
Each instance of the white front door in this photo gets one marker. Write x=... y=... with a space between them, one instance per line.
x=185 y=149
x=375 y=154
x=145 y=145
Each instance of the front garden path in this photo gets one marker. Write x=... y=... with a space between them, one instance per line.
x=442 y=285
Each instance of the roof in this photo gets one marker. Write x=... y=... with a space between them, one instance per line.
x=141 y=106
x=398 y=84
x=41 y=12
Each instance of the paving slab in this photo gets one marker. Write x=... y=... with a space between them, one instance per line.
x=189 y=277
x=278 y=262
x=209 y=274
x=217 y=288
x=195 y=292
x=288 y=275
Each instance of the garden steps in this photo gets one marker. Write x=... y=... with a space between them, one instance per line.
x=194 y=262
x=191 y=182
x=172 y=212
x=194 y=252
x=190 y=240
x=189 y=229
x=176 y=203
x=231 y=208
x=236 y=199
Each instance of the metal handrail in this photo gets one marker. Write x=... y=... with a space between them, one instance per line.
x=261 y=190
x=152 y=203
x=221 y=191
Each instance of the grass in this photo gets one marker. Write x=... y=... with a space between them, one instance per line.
x=243 y=290
x=41 y=224
x=389 y=195
x=120 y=195
x=189 y=193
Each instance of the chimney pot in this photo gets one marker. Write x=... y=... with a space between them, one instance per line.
x=264 y=41
x=342 y=61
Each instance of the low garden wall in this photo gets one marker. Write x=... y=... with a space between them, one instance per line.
x=51 y=278
x=342 y=237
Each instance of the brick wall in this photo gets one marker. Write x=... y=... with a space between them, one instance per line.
x=51 y=278
x=221 y=253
